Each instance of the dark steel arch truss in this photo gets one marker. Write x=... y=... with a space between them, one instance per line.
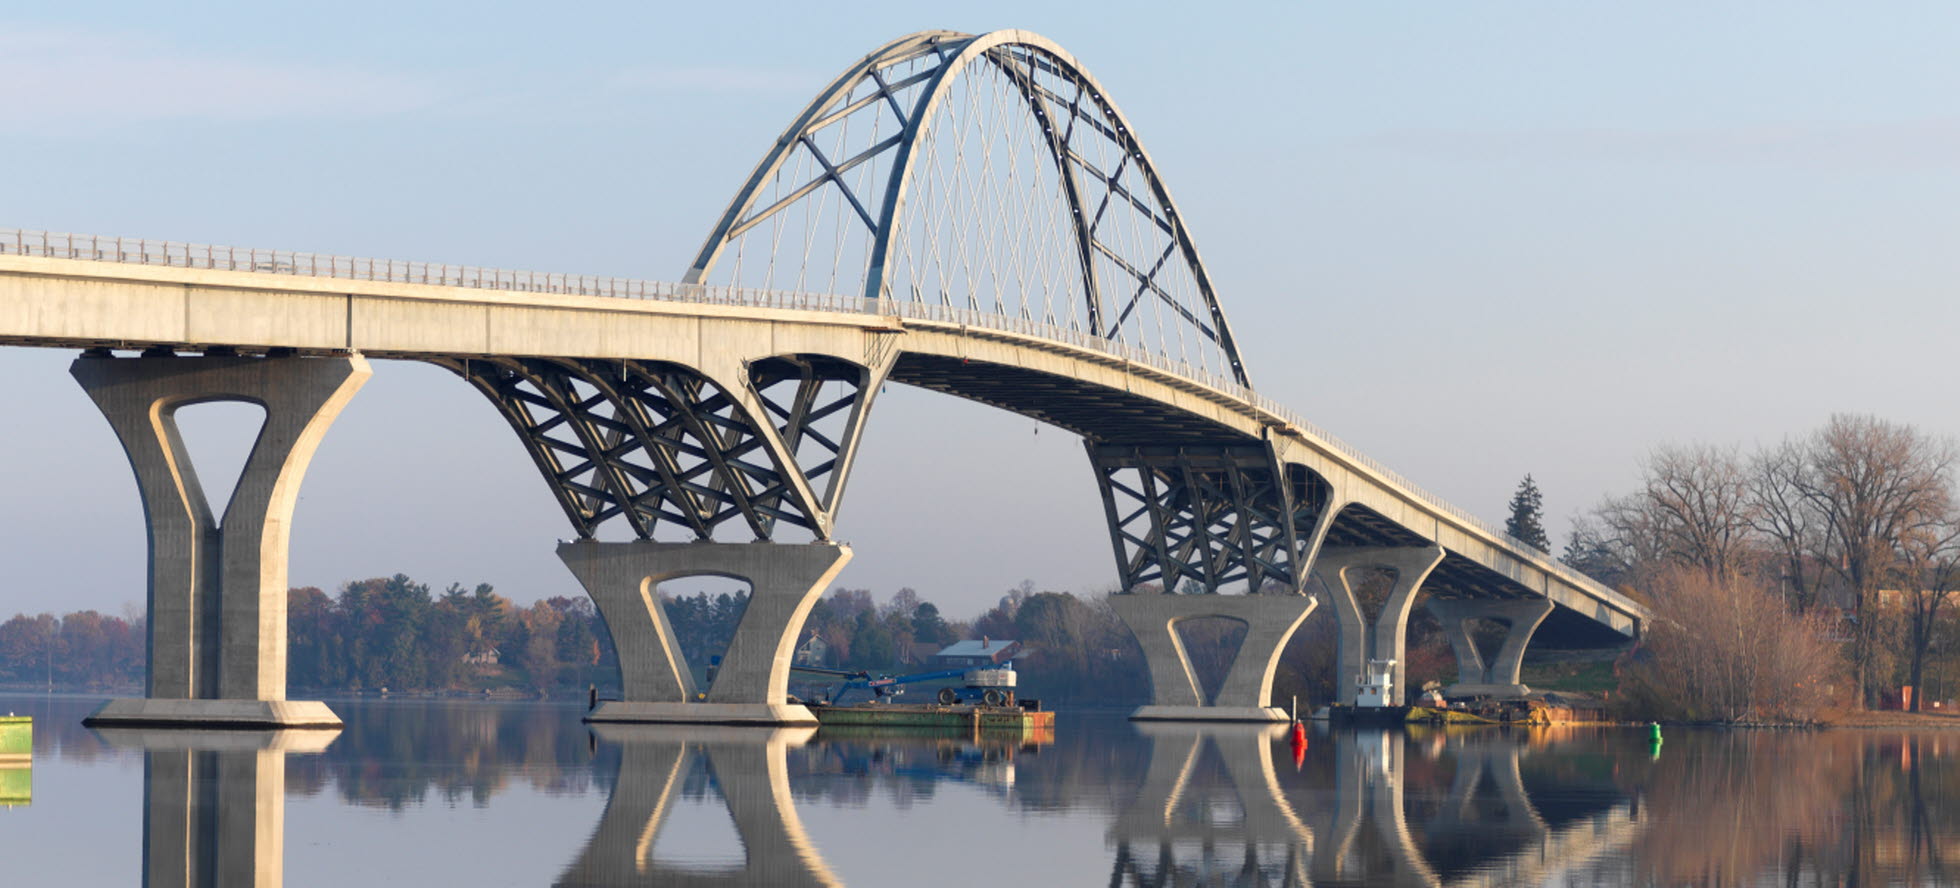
x=1212 y=515
x=653 y=442
x=818 y=405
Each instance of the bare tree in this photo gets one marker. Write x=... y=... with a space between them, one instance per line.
x=1698 y=499
x=1785 y=518
x=1930 y=561
x=1873 y=485
x=1693 y=509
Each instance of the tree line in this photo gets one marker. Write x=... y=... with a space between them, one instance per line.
x=394 y=633
x=1824 y=563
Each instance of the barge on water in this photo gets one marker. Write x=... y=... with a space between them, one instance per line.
x=984 y=701
x=974 y=718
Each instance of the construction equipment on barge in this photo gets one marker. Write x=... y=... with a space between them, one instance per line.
x=984 y=701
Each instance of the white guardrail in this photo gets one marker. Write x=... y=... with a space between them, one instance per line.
x=178 y=254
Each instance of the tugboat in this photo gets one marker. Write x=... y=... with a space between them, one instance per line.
x=984 y=701
x=1374 y=698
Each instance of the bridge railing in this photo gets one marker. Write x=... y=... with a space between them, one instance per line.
x=180 y=254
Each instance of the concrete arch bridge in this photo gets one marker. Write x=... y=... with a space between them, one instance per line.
x=967 y=214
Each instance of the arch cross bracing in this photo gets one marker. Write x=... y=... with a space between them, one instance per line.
x=990 y=173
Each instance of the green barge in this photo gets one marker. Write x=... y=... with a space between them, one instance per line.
x=16 y=760
x=963 y=718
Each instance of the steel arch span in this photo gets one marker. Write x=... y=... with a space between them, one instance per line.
x=985 y=172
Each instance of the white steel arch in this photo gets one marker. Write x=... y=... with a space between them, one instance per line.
x=987 y=172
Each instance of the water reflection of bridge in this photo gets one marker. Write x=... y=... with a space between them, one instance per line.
x=750 y=766
x=1245 y=827
x=1214 y=806
x=214 y=803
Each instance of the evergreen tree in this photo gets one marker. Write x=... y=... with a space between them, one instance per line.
x=1527 y=521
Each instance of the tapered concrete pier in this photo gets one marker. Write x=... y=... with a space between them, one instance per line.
x=1246 y=694
x=752 y=684
x=1501 y=676
x=217 y=582
x=1386 y=637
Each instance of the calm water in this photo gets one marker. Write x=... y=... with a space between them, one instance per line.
x=462 y=793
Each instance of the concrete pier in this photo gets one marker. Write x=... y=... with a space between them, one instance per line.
x=1500 y=677
x=214 y=803
x=1384 y=639
x=217 y=581
x=1246 y=694
x=752 y=684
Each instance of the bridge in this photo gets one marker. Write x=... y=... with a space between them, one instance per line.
x=967 y=214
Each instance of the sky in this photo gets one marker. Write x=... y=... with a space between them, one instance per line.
x=1476 y=241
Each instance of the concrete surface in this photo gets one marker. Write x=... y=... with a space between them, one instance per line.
x=752 y=683
x=1501 y=676
x=1385 y=639
x=1246 y=693
x=217 y=581
x=215 y=713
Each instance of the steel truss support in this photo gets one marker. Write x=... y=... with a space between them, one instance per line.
x=1209 y=516
x=654 y=442
x=818 y=405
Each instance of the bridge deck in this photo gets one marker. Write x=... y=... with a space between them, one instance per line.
x=78 y=292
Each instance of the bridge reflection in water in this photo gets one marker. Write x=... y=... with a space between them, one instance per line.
x=1356 y=820
x=214 y=803
x=1218 y=804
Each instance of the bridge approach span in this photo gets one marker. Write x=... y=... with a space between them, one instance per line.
x=1098 y=389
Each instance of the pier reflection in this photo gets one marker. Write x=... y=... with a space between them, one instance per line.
x=214 y=803
x=750 y=769
x=1236 y=827
x=664 y=770
x=1379 y=807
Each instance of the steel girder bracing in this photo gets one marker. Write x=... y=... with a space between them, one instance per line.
x=1215 y=516
x=654 y=443
x=818 y=405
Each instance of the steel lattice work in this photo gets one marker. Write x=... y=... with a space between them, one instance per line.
x=818 y=405
x=661 y=446
x=988 y=173
x=1217 y=517
x=985 y=172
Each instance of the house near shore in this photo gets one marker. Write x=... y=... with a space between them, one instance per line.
x=971 y=653
x=814 y=651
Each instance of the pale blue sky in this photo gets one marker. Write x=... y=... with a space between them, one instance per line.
x=1475 y=240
